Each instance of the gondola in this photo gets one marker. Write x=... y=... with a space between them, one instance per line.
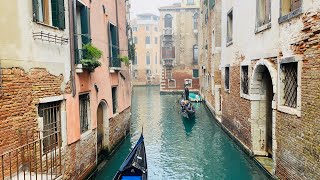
x=135 y=165
x=187 y=112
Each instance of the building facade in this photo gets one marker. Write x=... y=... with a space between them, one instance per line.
x=179 y=46
x=146 y=37
x=269 y=81
x=57 y=114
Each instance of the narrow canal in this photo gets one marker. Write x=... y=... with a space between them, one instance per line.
x=179 y=148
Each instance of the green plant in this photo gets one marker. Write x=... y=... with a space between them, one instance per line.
x=125 y=60
x=90 y=57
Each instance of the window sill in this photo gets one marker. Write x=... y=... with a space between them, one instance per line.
x=245 y=96
x=47 y=25
x=263 y=28
x=229 y=43
x=291 y=15
x=227 y=91
x=289 y=110
x=85 y=134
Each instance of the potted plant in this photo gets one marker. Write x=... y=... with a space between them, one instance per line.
x=125 y=60
x=90 y=57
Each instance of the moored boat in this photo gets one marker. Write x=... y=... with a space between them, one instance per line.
x=135 y=165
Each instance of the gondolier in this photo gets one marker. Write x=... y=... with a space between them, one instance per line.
x=186 y=93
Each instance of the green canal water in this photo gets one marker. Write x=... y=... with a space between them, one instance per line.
x=179 y=148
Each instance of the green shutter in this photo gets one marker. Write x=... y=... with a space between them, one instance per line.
x=85 y=25
x=55 y=13
x=61 y=14
x=110 y=41
x=35 y=7
x=212 y=3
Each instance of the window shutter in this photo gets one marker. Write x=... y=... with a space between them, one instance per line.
x=55 y=13
x=110 y=42
x=212 y=3
x=295 y=4
x=35 y=6
x=85 y=24
x=61 y=15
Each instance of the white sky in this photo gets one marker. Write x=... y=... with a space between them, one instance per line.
x=148 y=6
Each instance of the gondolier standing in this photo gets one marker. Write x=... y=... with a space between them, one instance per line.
x=186 y=93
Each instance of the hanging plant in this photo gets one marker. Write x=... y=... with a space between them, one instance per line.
x=125 y=60
x=91 y=56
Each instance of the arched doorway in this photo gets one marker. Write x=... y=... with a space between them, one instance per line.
x=262 y=93
x=102 y=129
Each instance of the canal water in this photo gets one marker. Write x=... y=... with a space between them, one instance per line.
x=179 y=148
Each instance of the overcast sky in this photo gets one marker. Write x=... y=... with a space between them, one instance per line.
x=149 y=6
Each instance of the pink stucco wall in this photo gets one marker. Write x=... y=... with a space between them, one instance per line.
x=101 y=76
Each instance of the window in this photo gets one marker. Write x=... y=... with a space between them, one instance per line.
x=245 y=79
x=263 y=12
x=114 y=46
x=229 y=26
x=135 y=59
x=195 y=54
x=289 y=72
x=195 y=20
x=147 y=28
x=156 y=29
x=168 y=21
x=212 y=85
x=190 y=2
x=288 y=6
x=148 y=58
x=212 y=42
x=135 y=40
x=195 y=73
x=156 y=59
x=50 y=12
x=227 y=78
x=148 y=72
x=51 y=125
x=188 y=83
x=148 y=40
x=156 y=40
x=212 y=3
x=114 y=100
x=84 y=100
x=134 y=29
x=171 y=83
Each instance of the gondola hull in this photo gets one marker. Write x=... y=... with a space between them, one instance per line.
x=135 y=165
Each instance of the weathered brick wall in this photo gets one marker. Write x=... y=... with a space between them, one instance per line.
x=19 y=102
x=119 y=128
x=236 y=110
x=298 y=139
x=80 y=157
x=180 y=74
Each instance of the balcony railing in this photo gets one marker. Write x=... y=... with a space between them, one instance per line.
x=167 y=31
x=114 y=59
x=79 y=55
x=168 y=62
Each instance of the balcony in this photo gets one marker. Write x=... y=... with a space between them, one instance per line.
x=115 y=63
x=167 y=31
x=168 y=62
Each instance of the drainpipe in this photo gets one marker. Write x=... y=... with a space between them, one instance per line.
x=72 y=5
x=116 y=1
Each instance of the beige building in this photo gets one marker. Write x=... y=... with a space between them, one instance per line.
x=146 y=37
x=269 y=78
x=179 y=46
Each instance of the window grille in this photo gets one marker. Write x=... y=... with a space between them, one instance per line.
x=51 y=120
x=114 y=100
x=226 y=81
x=290 y=83
x=84 y=103
x=245 y=80
x=195 y=73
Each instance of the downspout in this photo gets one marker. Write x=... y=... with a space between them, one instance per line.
x=72 y=5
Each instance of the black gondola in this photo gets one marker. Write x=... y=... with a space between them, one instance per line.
x=187 y=110
x=135 y=165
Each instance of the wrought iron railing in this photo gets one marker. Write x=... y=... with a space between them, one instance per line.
x=167 y=31
x=30 y=161
x=114 y=59
x=168 y=62
x=245 y=80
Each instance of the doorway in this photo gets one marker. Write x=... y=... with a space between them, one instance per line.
x=102 y=130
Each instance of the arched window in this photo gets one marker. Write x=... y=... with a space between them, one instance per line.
x=195 y=20
x=168 y=21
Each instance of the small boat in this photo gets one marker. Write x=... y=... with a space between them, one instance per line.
x=135 y=165
x=186 y=111
x=195 y=97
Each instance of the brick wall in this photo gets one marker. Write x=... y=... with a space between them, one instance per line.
x=298 y=139
x=119 y=128
x=236 y=110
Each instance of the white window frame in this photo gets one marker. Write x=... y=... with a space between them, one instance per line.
x=245 y=96
x=175 y=83
x=224 y=80
x=289 y=110
x=190 y=80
